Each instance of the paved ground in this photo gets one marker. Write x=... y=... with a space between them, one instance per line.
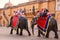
x=4 y=35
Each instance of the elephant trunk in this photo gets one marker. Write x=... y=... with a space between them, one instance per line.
x=32 y=29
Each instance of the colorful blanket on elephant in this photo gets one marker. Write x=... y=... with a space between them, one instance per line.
x=15 y=21
x=42 y=23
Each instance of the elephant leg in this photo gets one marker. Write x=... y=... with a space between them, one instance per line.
x=28 y=32
x=21 y=31
x=47 y=35
x=41 y=33
x=38 y=33
x=32 y=26
x=17 y=32
x=11 y=31
x=56 y=34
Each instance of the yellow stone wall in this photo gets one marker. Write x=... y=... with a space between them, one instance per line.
x=51 y=6
x=44 y=5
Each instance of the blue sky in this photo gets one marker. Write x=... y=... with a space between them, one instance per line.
x=14 y=2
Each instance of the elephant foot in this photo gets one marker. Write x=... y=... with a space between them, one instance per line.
x=56 y=37
x=38 y=36
x=20 y=34
x=17 y=33
x=47 y=37
x=11 y=33
x=29 y=34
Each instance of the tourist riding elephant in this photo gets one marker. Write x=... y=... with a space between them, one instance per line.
x=23 y=24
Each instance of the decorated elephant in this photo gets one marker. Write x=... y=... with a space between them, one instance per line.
x=46 y=23
x=22 y=24
x=35 y=20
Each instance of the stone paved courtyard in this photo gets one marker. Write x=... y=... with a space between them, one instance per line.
x=4 y=35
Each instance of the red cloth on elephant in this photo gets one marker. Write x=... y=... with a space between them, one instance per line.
x=42 y=21
x=14 y=21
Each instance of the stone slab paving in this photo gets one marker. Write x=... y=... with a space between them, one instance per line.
x=4 y=35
